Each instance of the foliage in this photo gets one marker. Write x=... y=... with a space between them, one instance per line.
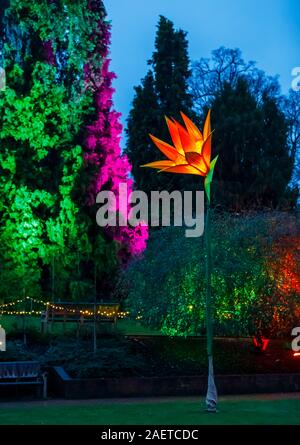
x=151 y=356
x=255 y=166
x=49 y=241
x=227 y=66
x=57 y=31
x=256 y=131
x=248 y=295
x=38 y=213
x=291 y=109
x=108 y=166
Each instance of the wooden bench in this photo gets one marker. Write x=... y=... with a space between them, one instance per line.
x=79 y=313
x=24 y=373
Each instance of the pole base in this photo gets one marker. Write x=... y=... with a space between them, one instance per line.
x=211 y=410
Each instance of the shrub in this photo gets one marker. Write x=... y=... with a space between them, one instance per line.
x=255 y=277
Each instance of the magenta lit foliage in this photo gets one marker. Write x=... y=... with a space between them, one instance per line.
x=103 y=152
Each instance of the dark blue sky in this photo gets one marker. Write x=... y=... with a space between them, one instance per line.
x=267 y=31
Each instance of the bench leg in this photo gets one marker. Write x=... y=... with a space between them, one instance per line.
x=44 y=327
x=45 y=383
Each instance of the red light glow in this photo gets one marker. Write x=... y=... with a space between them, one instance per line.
x=262 y=344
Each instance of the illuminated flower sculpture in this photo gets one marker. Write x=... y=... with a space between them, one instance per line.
x=191 y=154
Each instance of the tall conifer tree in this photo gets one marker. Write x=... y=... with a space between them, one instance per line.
x=163 y=91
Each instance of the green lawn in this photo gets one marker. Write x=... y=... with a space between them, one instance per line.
x=126 y=326
x=168 y=412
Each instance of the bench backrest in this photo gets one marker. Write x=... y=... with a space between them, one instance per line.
x=19 y=370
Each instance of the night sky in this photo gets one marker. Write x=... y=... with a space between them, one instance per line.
x=267 y=31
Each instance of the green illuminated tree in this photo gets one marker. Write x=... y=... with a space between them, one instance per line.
x=253 y=257
x=45 y=232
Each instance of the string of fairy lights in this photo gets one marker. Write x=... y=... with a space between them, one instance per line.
x=10 y=309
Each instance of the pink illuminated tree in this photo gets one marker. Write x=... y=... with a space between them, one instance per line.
x=102 y=146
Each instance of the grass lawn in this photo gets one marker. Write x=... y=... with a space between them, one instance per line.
x=126 y=327
x=260 y=410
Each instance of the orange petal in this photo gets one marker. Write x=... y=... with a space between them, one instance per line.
x=159 y=164
x=166 y=149
x=197 y=161
x=175 y=135
x=207 y=128
x=198 y=147
x=191 y=127
x=188 y=141
x=206 y=150
x=183 y=169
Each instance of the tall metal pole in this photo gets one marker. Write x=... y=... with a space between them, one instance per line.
x=52 y=278
x=95 y=314
x=211 y=396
